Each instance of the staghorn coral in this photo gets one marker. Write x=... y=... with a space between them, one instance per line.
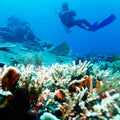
x=106 y=76
x=67 y=92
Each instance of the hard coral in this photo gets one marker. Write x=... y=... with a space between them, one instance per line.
x=68 y=92
x=85 y=82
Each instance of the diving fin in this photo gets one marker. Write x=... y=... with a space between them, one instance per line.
x=105 y=22
x=94 y=26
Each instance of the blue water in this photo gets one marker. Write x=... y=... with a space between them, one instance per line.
x=44 y=20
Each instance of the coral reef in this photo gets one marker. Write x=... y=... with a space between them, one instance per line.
x=70 y=91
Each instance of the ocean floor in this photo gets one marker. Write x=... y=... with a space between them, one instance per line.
x=12 y=54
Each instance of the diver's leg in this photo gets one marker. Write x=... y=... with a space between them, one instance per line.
x=82 y=23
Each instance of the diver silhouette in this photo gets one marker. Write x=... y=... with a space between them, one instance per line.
x=67 y=15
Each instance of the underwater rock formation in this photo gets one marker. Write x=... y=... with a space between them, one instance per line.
x=61 y=50
x=19 y=31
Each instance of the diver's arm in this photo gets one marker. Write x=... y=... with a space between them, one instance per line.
x=73 y=12
x=68 y=12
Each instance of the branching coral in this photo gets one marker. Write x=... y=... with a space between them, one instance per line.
x=68 y=92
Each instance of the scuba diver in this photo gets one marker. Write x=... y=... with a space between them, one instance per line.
x=67 y=15
x=67 y=18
